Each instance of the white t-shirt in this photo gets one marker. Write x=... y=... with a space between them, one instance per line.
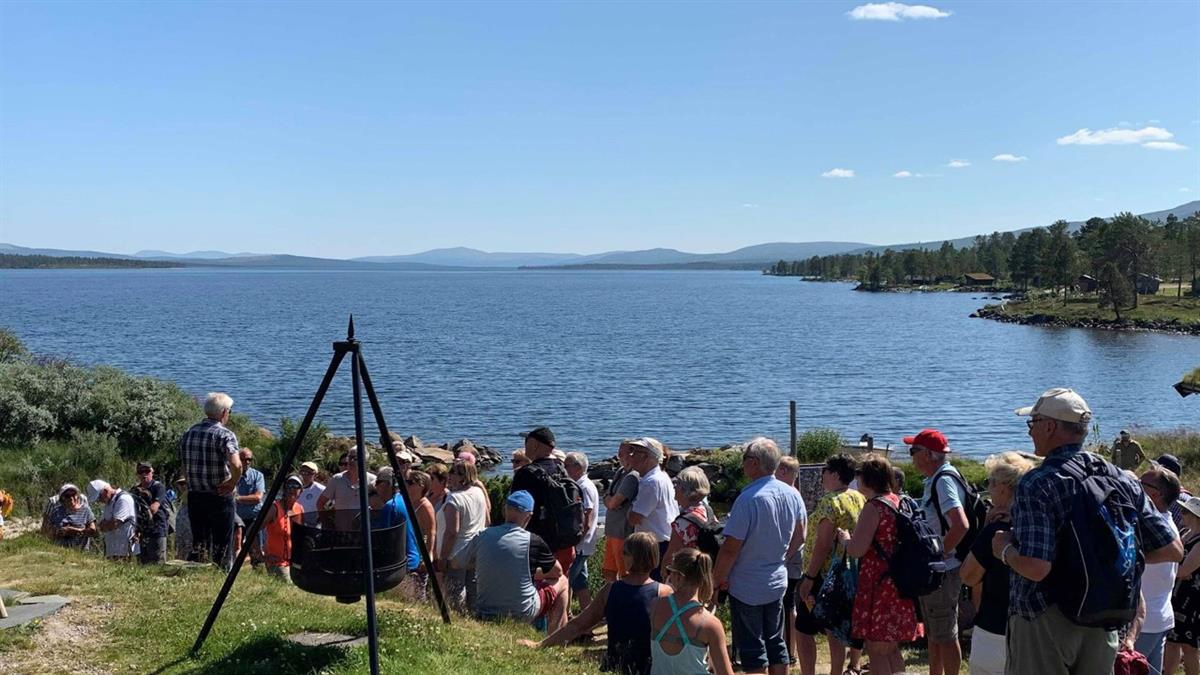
x=118 y=541
x=309 y=495
x=591 y=500
x=471 y=505
x=1158 y=580
x=343 y=493
x=655 y=503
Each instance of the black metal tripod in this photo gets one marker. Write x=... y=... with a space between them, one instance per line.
x=361 y=379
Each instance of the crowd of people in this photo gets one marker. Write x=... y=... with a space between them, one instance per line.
x=1072 y=564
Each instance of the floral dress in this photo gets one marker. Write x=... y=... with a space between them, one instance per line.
x=880 y=614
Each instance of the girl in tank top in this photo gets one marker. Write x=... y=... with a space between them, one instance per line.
x=684 y=631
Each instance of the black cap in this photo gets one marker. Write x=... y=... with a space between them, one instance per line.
x=542 y=435
x=144 y=466
x=1170 y=462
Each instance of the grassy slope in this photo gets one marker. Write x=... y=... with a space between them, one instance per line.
x=1150 y=308
x=144 y=619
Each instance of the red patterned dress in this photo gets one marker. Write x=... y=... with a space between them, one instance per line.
x=880 y=614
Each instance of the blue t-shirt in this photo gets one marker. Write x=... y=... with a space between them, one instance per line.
x=763 y=517
x=394 y=513
x=950 y=497
x=251 y=481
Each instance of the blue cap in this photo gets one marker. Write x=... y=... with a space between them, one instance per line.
x=521 y=500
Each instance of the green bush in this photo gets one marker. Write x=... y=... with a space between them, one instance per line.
x=498 y=488
x=34 y=473
x=11 y=347
x=816 y=445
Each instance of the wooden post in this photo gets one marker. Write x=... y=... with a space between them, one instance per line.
x=792 y=407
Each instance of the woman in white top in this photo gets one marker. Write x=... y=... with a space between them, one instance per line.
x=680 y=623
x=465 y=514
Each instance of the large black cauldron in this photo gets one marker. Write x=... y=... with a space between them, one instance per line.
x=327 y=557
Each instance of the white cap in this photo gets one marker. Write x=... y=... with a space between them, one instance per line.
x=405 y=456
x=651 y=444
x=1192 y=504
x=94 y=489
x=1060 y=404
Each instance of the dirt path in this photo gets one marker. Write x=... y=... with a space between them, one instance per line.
x=63 y=643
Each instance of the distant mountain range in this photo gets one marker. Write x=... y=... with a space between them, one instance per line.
x=748 y=257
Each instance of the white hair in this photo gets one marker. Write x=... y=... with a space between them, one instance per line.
x=577 y=459
x=766 y=451
x=216 y=404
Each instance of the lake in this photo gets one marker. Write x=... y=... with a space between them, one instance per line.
x=693 y=358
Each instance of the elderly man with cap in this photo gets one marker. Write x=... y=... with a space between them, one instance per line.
x=278 y=528
x=541 y=478
x=71 y=524
x=208 y=454
x=152 y=536
x=654 y=508
x=310 y=491
x=117 y=521
x=1042 y=637
x=945 y=497
x=519 y=577
x=1127 y=453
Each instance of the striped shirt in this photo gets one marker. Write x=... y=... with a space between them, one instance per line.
x=204 y=452
x=1042 y=505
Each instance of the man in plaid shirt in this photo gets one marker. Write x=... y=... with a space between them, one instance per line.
x=1041 y=639
x=208 y=453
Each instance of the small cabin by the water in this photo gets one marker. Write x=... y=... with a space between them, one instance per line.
x=1146 y=284
x=1087 y=283
x=978 y=279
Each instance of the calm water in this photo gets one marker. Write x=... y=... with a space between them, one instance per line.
x=694 y=358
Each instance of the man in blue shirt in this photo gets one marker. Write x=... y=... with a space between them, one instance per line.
x=394 y=512
x=248 y=498
x=1041 y=639
x=764 y=529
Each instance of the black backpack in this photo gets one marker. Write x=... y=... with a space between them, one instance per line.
x=144 y=523
x=917 y=565
x=559 y=521
x=975 y=506
x=1096 y=577
x=711 y=534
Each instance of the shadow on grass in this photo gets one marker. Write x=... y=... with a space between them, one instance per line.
x=270 y=654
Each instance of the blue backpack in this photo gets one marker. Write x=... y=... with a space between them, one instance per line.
x=1096 y=577
x=917 y=565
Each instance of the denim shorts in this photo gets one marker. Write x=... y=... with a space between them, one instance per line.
x=758 y=633
x=577 y=577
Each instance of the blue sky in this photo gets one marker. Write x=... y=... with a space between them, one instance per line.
x=380 y=128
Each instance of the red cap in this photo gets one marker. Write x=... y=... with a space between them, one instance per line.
x=929 y=439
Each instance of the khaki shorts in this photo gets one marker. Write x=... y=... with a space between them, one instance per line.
x=940 y=610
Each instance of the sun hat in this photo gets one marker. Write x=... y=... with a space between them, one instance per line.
x=311 y=466
x=94 y=489
x=1192 y=504
x=542 y=435
x=1060 y=404
x=929 y=439
x=293 y=481
x=521 y=500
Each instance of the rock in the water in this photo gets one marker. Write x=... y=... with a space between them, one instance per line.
x=413 y=443
x=433 y=453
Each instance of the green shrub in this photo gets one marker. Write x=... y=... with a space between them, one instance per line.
x=498 y=488
x=34 y=473
x=816 y=445
x=11 y=347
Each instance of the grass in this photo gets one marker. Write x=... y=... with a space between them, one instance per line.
x=144 y=619
x=1084 y=307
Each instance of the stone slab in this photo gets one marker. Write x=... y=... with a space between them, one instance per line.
x=11 y=595
x=326 y=640
x=19 y=615
x=39 y=599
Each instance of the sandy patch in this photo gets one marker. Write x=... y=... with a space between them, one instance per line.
x=63 y=643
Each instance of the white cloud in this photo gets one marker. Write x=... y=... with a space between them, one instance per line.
x=958 y=163
x=1116 y=136
x=749 y=205
x=1009 y=157
x=1164 y=145
x=903 y=174
x=838 y=173
x=895 y=11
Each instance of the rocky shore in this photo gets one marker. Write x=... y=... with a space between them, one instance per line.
x=1001 y=313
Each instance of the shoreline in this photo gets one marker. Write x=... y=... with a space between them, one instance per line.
x=999 y=312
